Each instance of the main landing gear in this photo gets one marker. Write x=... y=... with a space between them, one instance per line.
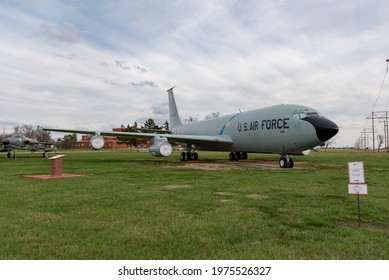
x=286 y=162
x=9 y=155
x=193 y=156
x=236 y=156
x=188 y=156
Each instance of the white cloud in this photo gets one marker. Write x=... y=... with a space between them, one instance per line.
x=67 y=34
x=144 y=84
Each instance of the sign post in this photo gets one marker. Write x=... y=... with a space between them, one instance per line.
x=357 y=184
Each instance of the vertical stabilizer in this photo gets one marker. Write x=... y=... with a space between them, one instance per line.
x=173 y=113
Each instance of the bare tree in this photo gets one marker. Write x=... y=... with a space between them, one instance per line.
x=191 y=120
x=358 y=144
x=30 y=132
x=44 y=136
x=212 y=115
x=329 y=143
x=26 y=130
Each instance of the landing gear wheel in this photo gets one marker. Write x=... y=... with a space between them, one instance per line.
x=237 y=156
x=286 y=162
x=187 y=156
x=291 y=163
x=183 y=156
x=283 y=162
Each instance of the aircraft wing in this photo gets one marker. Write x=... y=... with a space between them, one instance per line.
x=106 y=133
x=205 y=141
x=216 y=142
x=33 y=141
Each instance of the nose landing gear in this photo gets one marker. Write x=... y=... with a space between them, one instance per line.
x=286 y=162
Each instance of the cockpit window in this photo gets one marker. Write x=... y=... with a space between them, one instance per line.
x=302 y=115
x=313 y=114
x=299 y=115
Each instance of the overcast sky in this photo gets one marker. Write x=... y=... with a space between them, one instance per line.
x=101 y=64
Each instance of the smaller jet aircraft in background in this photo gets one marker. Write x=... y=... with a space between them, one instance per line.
x=21 y=142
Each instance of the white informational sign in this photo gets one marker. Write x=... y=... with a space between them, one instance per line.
x=357 y=188
x=356 y=173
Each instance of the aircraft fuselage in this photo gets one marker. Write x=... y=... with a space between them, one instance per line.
x=276 y=129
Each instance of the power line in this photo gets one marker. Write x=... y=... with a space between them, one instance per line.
x=373 y=114
x=382 y=86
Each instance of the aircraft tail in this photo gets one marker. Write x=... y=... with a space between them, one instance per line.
x=173 y=112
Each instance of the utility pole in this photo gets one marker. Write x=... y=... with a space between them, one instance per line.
x=379 y=115
x=385 y=122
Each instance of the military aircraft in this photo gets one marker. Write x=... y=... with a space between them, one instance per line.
x=21 y=142
x=283 y=129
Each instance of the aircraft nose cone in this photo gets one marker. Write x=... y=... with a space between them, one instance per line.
x=6 y=142
x=325 y=129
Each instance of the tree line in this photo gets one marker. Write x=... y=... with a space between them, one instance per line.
x=148 y=126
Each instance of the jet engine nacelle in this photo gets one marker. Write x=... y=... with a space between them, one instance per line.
x=160 y=147
x=97 y=142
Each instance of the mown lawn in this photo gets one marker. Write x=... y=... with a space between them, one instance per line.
x=135 y=206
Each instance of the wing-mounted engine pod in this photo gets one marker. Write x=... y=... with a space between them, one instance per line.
x=97 y=142
x=160 y=147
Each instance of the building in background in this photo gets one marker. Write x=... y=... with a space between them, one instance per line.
x=111 y=142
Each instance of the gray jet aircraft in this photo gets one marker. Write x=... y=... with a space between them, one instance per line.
x=21 y=142
x=283 y=129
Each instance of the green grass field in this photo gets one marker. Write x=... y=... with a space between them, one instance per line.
x=135 y=206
